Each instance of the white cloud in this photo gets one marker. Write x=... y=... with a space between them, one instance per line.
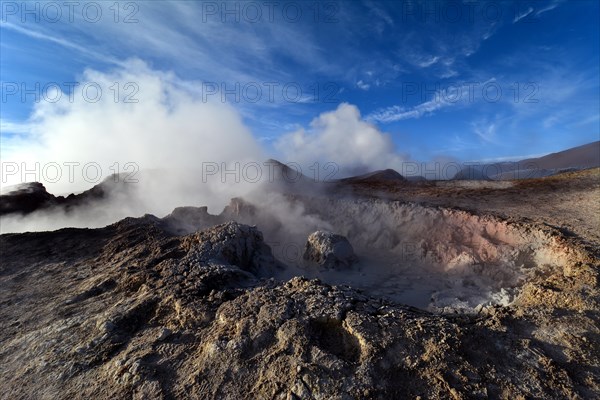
x=343 y=137
x=362 y=85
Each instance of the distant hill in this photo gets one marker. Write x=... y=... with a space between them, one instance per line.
x=576 y=158
x=384 y=175
x=283 y=173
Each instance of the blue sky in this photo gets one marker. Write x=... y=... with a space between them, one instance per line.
x=462 y=80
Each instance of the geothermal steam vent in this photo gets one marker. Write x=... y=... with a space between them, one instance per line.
x=433 y=258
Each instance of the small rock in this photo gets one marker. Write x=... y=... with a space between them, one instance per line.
x=163 y=334
x=135 y=367
x=106 y=326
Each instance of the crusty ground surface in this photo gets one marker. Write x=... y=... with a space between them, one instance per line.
x=569 y=201
x=132 y=311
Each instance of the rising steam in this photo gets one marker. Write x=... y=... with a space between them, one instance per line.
x=172 y=146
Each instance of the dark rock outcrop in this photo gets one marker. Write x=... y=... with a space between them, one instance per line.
x=26 y=198
x=33 y=196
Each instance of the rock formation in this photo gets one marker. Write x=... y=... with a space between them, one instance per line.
x=329 y=250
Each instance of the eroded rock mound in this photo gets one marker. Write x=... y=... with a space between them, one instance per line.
x=185 y=220
x=231 y=243
x=329 y=250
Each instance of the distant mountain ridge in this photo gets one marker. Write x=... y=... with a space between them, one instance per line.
x=384 y=175
x=573 y=159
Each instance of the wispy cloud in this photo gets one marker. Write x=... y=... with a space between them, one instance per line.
x=398 y=113
x=441 y=99
x=589 y=121
x=550 y=7
x=45 y=36
x=381 y=17
x=362 y=85
x=486 y=131
x=19 y=128
x=531 y=12
x=428 y=62
x=522 y=15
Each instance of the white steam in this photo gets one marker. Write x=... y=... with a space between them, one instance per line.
x=343 y=137
x=143 y=116
x=172 y=146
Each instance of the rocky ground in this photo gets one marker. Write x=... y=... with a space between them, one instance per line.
x=568 y=201
x=187 y=307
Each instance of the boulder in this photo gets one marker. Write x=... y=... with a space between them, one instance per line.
x=234 y=244
x=329 y=250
